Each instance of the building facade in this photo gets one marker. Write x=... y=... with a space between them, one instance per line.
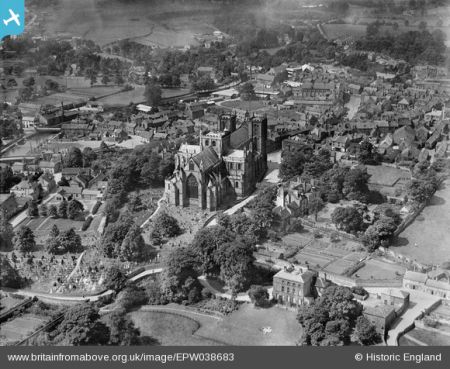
x=225 y=165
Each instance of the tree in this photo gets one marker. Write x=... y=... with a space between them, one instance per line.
x=315 y=204
x=131 y=296
x=51 y=85
x=133 y=246
x=292 y=164
x=123 y=332
x=32 y=210
x=165 y=225
x=236 y=264
x=153 y=94
x=62 y=209
x=420 y=191
x=74 y=158
x=6 y=232
x=365 y=333
x=43 y=210
x=179 y=275
x=366 y=154
x=24 y=240
x=355 y=184
x=247 y=91
x=150 y=171
x=63 y=182
x=347 y=219
x=81 y=326
x=105 y=79
x=329 y=319
x=115 y=278
x=206 y=244
x=114 y=235
x=258 y=295
x=380 y=233
x=74 y=209
x=9 y=276
x=317 y=165
x=29 y=82
x=53 y=211
x=70 y=241
x=89 y=156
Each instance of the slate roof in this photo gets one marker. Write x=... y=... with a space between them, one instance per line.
x=208 y=157
x=239 y=137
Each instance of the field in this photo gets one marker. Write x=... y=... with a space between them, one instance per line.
x=334 y=31
x=169 y=329
x=242 y=327
x=106 y=21
x=427 y=239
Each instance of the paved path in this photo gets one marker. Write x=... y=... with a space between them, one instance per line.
x=160 y=201
x=234 y=209
x=205 y=283
x=70 y=299
x=180 y=311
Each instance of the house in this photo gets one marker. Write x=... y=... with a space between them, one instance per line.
x=424 y=283
x=50 y=166
x=8 y=205
x=70 y=173
x=404 y=134
x=120 y=135
x=195 y=110
x=389 y=181
x=340 y=143
x=294 y=288
x=381 y=316
x=23 y=189
x=68 y=193
x=47 y=183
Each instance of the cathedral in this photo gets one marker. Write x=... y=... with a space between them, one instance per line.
x=226 y=165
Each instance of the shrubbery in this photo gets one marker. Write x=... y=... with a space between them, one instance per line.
x=87 y=222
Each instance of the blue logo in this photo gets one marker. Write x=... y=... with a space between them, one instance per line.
x=12 y=17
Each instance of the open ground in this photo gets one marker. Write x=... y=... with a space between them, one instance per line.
x=427 y=239
x=242 y=327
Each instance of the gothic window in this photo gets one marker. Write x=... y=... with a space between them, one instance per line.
x=192 y=187
x=191 y=165
x=239 y=166
x=207 y=142
x=236 y=184
x=213 y=143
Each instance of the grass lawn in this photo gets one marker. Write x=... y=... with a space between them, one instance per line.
x=168 y=329
x=124 y=98
x=380 y=269
x=19 y=328
x=430 y=338
x=244 y=105
x=244 y=327
x=427 y=239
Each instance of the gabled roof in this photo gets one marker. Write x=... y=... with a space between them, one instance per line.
x=239 y=137
x=207 y=158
